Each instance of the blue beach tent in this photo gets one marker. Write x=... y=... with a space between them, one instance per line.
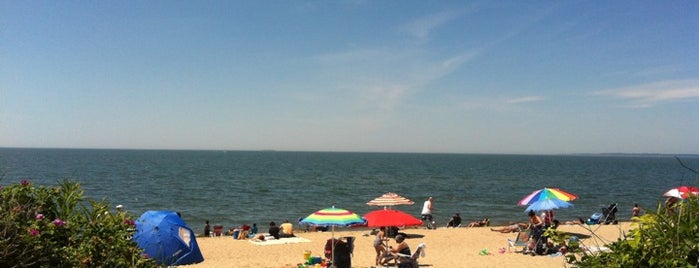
x=166 y=238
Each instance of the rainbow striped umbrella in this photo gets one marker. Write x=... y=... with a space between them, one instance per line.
x=333 y=216
x=548 y=204
x=546 y=193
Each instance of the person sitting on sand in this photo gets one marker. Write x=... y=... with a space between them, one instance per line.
x=455 y=221
x=392 y=253
x=481 y=223
x=244 y=232
x=253 y=229
x=287 y=229
x=512 y=228
x=274 y=230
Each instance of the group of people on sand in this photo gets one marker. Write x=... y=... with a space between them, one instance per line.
x=284 y=230
x=245 y=231
x=240 y=232
x=385 y=253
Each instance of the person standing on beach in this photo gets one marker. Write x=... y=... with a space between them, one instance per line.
x=635 y=211
x=207 y=229
x=427 y=213
x=379 y=241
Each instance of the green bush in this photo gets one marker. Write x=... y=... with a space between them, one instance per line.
x=661 y=239
x=44 y=226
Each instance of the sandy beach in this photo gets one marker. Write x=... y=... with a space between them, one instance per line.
x=446 y=247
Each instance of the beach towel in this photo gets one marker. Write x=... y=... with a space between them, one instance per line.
x=280 y=241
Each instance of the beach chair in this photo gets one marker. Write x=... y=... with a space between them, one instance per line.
x=218 y=230
x=410 y=261
x=521 y=240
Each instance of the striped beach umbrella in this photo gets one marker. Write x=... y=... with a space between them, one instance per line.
x=548 y=204
x=682 y=192
x=333 y=217
x=547 y=193
x=390 y=199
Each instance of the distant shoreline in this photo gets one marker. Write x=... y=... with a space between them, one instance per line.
x=365 y=152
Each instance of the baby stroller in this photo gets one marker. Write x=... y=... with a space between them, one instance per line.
x=537 y=244
x=609 y=214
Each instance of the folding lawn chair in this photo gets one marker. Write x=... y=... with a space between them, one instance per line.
x=410 y=261
x=521 y=240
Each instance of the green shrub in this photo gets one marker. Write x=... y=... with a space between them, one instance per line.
x=660 y=239
x=44 y=226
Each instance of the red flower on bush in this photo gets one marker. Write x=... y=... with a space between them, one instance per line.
x=129 y=222
x=25 y=182
x=59 y=223
x=33 y=232
x=39 y=216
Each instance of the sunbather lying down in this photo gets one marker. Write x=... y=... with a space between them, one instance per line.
x=512 y=228
x=481 y=223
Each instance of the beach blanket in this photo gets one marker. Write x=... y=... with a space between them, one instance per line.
x=280 y=241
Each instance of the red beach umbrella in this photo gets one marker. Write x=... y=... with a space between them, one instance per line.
x=682 y=192
x=390 y=217
x=390 y=199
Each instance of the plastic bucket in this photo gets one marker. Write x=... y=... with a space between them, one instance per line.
x=306 y=255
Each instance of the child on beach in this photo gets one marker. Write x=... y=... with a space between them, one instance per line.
x=379 y=243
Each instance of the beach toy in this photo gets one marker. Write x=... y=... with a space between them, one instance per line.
x=484 y=252
x=306 y=255
x=502 y=251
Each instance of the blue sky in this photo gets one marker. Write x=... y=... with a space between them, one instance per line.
x=533 y=77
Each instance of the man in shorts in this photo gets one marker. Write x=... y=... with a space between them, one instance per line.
x=427 y=213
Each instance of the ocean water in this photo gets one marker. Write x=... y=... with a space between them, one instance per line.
x=237 y=187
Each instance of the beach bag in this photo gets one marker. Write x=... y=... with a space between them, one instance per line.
x=594 y=219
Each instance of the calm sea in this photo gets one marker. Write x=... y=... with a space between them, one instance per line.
x=236 y=187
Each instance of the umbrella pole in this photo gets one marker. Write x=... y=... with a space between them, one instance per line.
x=332 y=255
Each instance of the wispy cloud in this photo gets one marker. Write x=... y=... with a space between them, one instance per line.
x=422 y=27
x=525 y=99
x=652 y=94
x=382 y=78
